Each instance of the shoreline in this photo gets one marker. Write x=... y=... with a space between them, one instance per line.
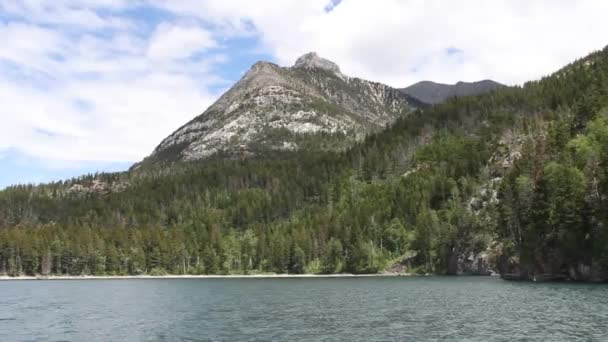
x=228 y=276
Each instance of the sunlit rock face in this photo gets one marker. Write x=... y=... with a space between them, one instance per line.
x=312 y=60
x=309 y=105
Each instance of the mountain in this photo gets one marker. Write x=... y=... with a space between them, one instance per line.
x=432 y=93
x=512 y=181
x=309 y=105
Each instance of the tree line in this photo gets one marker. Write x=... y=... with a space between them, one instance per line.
x=421 y=188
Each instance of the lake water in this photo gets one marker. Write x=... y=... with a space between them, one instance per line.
x=349 y=309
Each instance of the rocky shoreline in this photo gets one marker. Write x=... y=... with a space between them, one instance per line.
x=229 y=276
x=507 y=277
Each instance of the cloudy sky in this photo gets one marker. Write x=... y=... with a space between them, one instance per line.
x=90 y=85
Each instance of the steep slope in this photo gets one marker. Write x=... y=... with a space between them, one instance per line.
x=309 y=105
x=432 y=93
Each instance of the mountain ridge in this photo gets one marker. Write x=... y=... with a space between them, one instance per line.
x=286 y=108
x=433 y=92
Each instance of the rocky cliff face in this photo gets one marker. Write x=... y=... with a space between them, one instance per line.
x=309 y=105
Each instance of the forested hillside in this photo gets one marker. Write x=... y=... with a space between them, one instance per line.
x=514 y=179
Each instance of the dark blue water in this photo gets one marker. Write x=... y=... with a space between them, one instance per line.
x=353 y=309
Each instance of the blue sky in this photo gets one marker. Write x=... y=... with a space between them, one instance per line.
x=95 y=85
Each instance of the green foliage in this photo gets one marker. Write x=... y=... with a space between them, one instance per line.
x=554 y=213
x=157 y=271
x=333 y=259
x=406 y=190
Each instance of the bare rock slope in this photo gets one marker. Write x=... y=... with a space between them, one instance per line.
x=309 y=105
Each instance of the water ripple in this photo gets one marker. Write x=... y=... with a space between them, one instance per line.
x=366 y=309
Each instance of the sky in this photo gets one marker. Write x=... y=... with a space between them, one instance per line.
x=95 y=85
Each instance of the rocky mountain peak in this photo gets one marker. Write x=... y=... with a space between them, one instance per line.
x=261 y=73
x=312 y=60
x=274 y=108
x=262 y=65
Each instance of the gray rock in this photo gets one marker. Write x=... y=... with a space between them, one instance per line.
x=476 y=264
x=312 y=60
x=286 y=108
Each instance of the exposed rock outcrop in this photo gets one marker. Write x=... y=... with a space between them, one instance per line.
x=310 y=104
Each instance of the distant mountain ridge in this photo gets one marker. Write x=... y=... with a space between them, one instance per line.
x=433 y=93
x=310 y=105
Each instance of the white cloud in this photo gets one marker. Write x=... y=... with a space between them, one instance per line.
x=30 y=47
x=76 y=96
x=84 y=80
x=177 y=41
x=77 y=13
x=126 y=119
x=400 y=42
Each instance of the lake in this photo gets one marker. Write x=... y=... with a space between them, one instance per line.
x=324 y=309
